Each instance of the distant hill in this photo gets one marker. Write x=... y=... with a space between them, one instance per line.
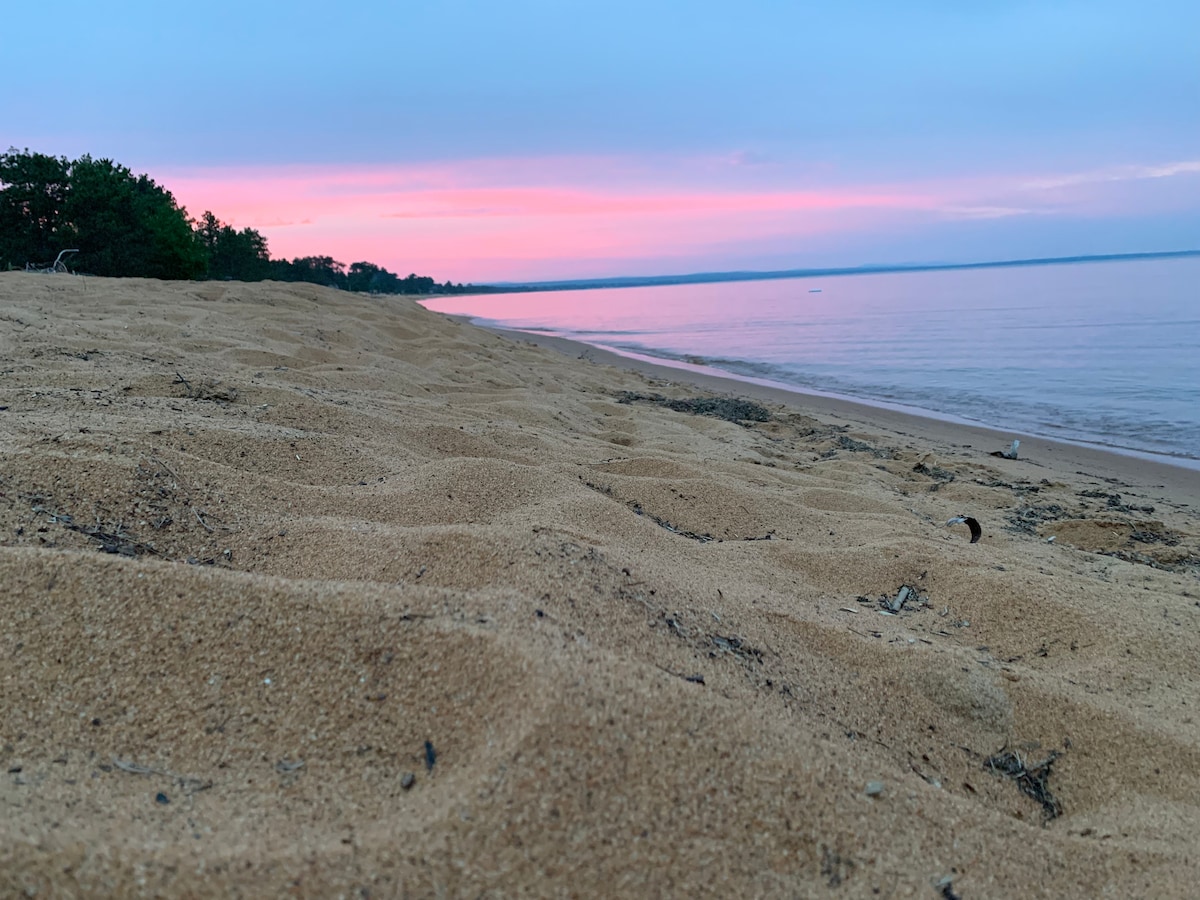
x=711 y=277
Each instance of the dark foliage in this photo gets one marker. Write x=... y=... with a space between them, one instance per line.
x=231 y=254
x=126 y=225
x=121 y=223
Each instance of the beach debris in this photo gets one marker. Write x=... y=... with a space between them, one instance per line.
x=134 y=768
x=845 y=442
x=407 y=780
x=664 y=523
x=939 y=475
x=874 y=788
x=430 y=756
x=1028 y=518
x=973 y=524
x=113 y=539
x=891 y=604
x=735 y=646
x=187 y=783
x=853 y=445
x=691 y=679
x=1115 y=502
x=1031 y=779
x=731 y=409
x=901 y=596
x=209 y=389
x=58 y=267
x=1010 y=453
x=287 y=767
x=769 y=536
x=835 y=867
x=161 y=798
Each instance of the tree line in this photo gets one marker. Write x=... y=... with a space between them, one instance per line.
x=124 y=224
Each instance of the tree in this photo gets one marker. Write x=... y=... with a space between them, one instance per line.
x=323 y=270
x=231 y=254
x=126 y=225
x=33 y=190
x=122 y=224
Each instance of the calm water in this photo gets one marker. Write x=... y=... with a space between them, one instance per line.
x=1105 y=353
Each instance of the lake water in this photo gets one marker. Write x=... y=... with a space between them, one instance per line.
x=1103 y=353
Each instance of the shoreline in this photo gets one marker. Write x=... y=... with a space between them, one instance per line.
x=1182 y=478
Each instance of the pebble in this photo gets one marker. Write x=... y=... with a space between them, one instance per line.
x=407 y=780
x=874 y=788
x=163 y=799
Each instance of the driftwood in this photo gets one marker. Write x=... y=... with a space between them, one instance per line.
x=56 y=267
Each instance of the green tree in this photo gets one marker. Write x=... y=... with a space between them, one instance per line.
x=324 y=270
x=365 y=276
x=33 y=191
x=122 y=224
x=231 y=254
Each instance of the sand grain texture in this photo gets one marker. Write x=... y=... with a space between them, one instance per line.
x=260 y=543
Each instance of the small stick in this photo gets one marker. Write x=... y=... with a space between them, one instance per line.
x=200 y=519
x=166 y=468
x=134 y=768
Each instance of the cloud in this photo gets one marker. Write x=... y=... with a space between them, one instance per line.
x=1113 y=174
x=987 y=212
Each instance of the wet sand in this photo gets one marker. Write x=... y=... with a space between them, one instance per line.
x=310 y=593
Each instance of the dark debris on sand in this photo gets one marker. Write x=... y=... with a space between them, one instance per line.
x=1027 y=518
x=728 y=408
x=1033 y=780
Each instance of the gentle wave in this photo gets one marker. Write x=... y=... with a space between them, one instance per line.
x=1102 y=353
x=1161 y=436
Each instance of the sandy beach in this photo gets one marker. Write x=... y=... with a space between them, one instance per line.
x=307 y=593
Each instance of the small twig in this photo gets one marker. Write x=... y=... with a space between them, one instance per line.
x=692 y=679
x=200 y=519
x=181 y=380
x=134 y=768
x=187 y=783
x=412 y=616
x=165 y=467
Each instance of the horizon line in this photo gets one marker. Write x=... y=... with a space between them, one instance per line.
x=832 y=271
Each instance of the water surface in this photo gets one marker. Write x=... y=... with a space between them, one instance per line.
x=1104 y=353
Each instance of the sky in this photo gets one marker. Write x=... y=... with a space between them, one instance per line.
x=535 y=140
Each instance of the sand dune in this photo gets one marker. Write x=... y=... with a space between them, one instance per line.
x=306 y=593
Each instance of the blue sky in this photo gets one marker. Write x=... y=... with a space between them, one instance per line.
x=525 y=140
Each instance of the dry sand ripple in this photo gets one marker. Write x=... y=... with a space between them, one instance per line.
x=311 y=593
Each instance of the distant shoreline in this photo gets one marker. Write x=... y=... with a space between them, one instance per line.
x=717 y=277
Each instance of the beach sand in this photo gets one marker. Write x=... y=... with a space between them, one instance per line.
x=307 y=593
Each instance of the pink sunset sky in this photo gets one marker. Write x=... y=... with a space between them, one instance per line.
x=539 y=219
x=531 y=140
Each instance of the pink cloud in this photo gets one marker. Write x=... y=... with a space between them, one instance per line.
x=533 y=218
x=491 y=219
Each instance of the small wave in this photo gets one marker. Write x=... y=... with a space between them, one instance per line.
x=1100 y=428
